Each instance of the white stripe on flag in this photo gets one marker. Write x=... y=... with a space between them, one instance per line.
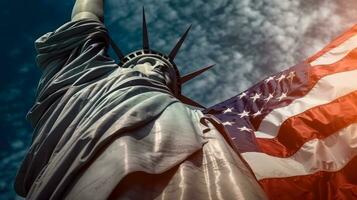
x=336 y=53
x=330 y=154
x=326 y=90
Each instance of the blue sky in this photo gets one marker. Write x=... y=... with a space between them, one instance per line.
x=247 y=39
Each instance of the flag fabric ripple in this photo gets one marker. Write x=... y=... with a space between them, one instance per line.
x=297 y=129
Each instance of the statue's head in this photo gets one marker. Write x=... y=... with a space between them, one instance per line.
x=158 y=65
x=155 y=66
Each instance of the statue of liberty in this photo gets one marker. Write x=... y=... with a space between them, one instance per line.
x=107 y=130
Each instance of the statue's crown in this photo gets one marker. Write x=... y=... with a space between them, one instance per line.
x=147 y=51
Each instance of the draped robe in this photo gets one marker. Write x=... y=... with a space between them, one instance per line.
x=103 y=132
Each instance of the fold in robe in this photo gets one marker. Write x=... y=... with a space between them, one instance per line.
x=102 y=132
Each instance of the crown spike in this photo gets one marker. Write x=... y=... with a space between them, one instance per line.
x=116 y=49
x=145 y=32
x=189 y=101
x=177 y=47
x=194 y=74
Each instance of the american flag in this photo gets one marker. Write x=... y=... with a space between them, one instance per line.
x=297 y=129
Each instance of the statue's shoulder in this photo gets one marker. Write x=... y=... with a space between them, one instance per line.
x=179 y=111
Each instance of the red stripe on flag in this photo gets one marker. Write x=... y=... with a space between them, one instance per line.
x=336 y=42
x=318 y=122
x=346 y=64
x=341 y=184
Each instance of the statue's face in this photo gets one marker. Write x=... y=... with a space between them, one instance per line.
x=156 y=69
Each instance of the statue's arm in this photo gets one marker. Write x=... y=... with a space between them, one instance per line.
x=88 y=9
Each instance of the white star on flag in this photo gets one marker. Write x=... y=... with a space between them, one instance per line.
x=228 y=123
x=228 y=110
x=259 y=112
x=269 y=97
x=242 y=95
x=270 y=78
x=244 y=128
x=243 y=114
x=281 y=78
x=256 y=96
x=282 y=96
x=291 y=76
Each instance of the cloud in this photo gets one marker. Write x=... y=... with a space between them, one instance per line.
x=247 y=39
x=7 y=166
